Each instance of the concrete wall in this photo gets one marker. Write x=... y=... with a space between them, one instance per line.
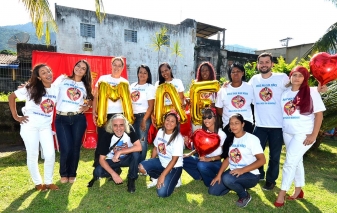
x=109 y=40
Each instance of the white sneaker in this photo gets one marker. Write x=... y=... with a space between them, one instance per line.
x=179 y=183
x=153 y=183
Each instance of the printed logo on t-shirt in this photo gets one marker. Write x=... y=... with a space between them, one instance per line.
x=120 y=146
x=238 y=101
x=235 y=155
x=162 y=148
x=135 y=96
x=47 y=106
x=266 y=94
x=205 y=95
x=289 y=108
x=73 y=94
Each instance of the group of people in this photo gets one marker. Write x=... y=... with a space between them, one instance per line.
x=285 y=109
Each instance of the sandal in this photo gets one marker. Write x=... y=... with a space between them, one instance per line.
x=41 y=187
x=52 y=187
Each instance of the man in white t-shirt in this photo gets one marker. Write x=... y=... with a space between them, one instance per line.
x=267 y=89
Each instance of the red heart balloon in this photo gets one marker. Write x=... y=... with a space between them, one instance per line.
x=323 y=67
x=90 y=141
x=205 y=142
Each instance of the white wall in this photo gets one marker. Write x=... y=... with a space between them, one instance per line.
x=109 y=41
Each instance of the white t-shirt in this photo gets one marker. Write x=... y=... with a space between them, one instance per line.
x=293 y=121
x=218 y=151
x=38 y=114
x=177 y=83
x=165 y=152
x=71 y=94
x=113 y=107
x=140 y=94
x=123 y=143
x=235 y=100
x=267 y=98
x=243 y=150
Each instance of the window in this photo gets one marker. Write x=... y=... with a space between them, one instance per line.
x=87 y=46
x=130 y=36
x=167 y=38
x=87 y=30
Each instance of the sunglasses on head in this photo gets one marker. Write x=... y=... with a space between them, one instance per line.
x=207 y=117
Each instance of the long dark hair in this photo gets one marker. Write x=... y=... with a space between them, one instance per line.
x=208 y=112
x=211 y=71
x=230 y=137
x=240 y=67
x=176 y=130
x=35 y=86
x=86 y=79
x=161 y=78
x=149 y=78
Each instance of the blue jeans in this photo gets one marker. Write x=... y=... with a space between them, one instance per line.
x=237 y=184
x=142 y=134
x=154 y=168
x=130 y=160
x=201 y=170
x=274 y=137
x=70 y=131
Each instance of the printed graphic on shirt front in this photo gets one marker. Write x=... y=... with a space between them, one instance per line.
x=73 y=94
x=135 y=96
x=162 y=148
x=235 y=155
x=119 y=146
x=266 y=94
x=238 y=101
x=205 y=95
x=47 y=106
x=289 y=108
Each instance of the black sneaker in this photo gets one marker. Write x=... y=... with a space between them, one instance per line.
x=131 y=185
x=268 y=186
x=243 y=202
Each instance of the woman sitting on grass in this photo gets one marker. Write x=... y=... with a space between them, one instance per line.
x=206 y=167
x=244 y=155
x=166 y=170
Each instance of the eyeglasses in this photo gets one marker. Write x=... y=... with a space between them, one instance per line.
x=207 y=117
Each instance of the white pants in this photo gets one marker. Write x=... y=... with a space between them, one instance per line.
x=32 y=137
x=293 y=169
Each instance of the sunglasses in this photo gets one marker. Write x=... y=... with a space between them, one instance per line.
x=207 y=117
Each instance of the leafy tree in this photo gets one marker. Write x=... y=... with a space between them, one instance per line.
x=159 y=40
x=250 y=69
x=282 y=67
x=43 y=20
x=7 y=52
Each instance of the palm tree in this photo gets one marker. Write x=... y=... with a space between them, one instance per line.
x=328 y=41
x=159 y=40
x=43 y=20
x=176 y=50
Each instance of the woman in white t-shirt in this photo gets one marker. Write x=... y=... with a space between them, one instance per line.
x=114 y=107
x=207 y=167
x=302 y=118
x=166 y=76
x=236 y=97
x=166 y=170
x=74 y=98
x=142 y=96
x=244 y=155
x=35 y=124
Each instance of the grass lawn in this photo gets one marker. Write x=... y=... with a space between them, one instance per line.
x=17 y=192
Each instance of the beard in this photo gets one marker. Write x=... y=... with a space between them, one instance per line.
x=265 y=71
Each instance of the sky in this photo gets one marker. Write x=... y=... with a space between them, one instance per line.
x=259 y=24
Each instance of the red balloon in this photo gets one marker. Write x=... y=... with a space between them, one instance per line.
x=323 y=67
x=205 y=142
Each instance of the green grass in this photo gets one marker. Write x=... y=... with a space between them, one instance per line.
x=17 y=193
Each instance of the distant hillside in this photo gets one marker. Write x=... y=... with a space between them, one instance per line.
x=6 y=32
x=239 y=48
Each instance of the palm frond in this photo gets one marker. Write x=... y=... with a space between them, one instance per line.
x=100 y=13
x=328 y=41
x=176 y=50
x=42 y=17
